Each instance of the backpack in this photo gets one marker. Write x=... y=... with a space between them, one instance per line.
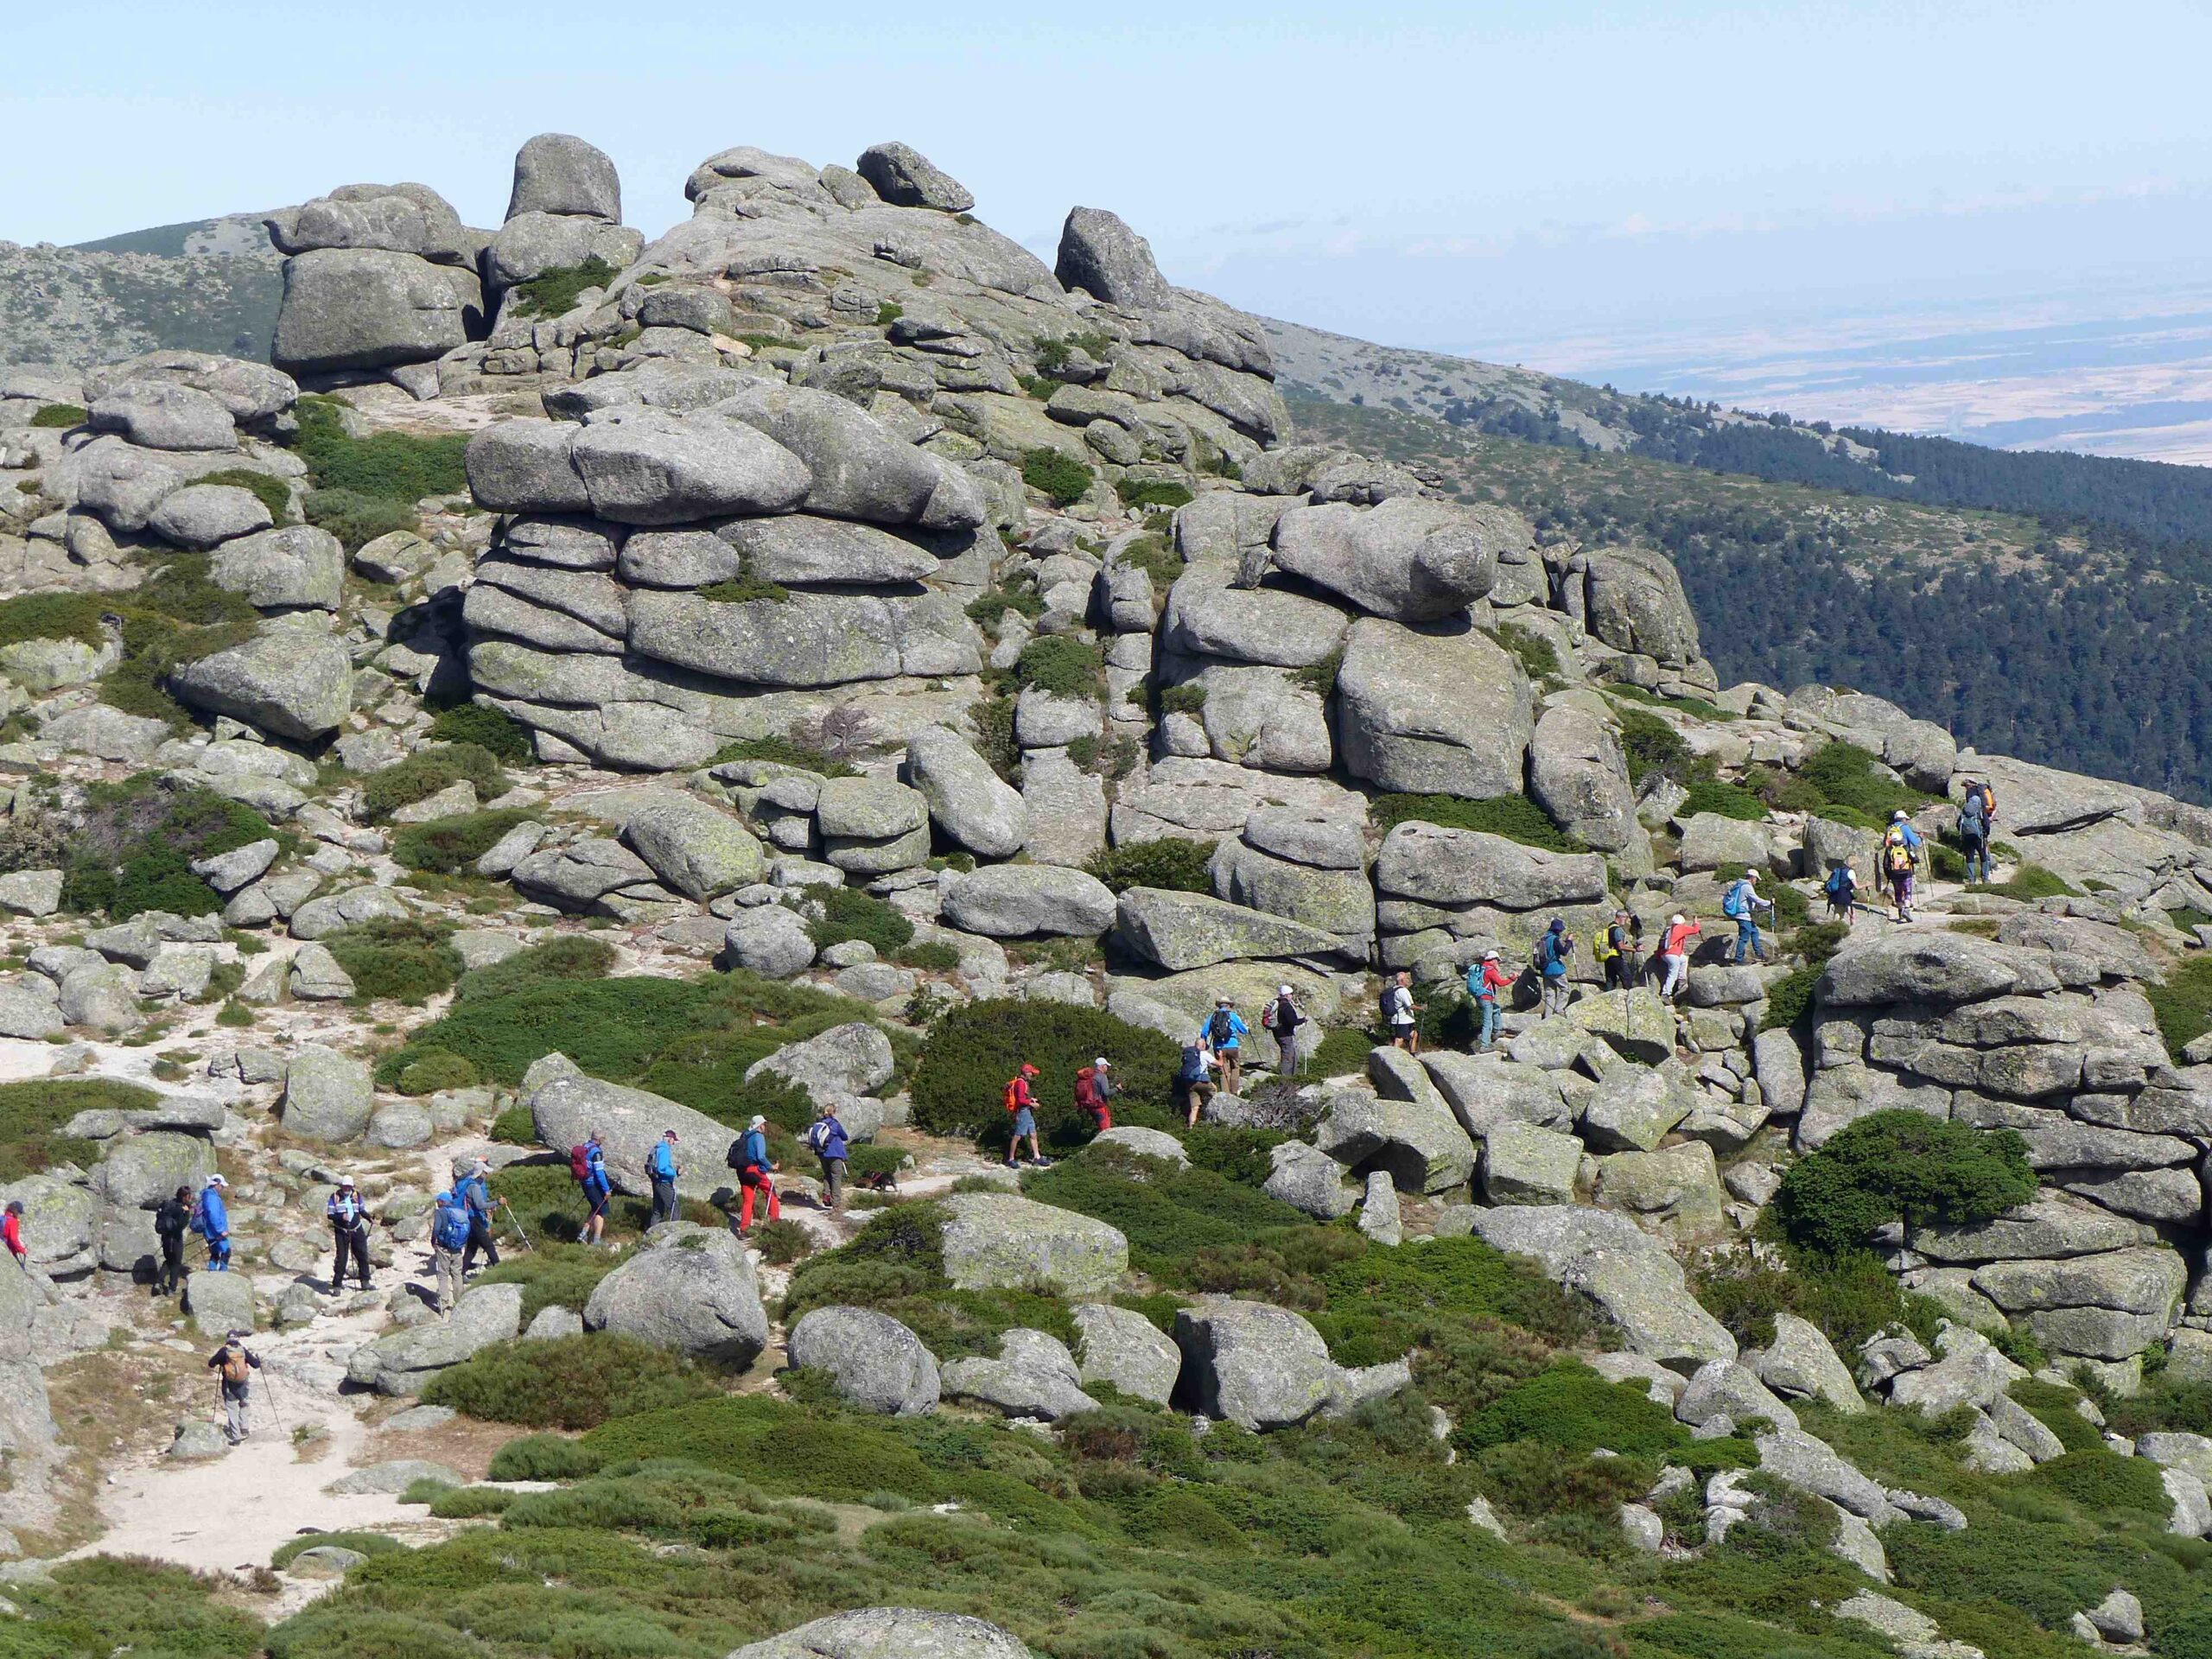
x=1972 y=824
x=815 y=1132
x=1732 y=905
x=580 y=1162
x=199 y=1222
x=1900 y=858
x=1267 y=1016
x=1013 y=1094
x=1219 y=1028
x=736 y=1156
x=1601 y=945
x=1194 y=1065
x=236 y=1367
x=1836 y=884
x=450 y=1231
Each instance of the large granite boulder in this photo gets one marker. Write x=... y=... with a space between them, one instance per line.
x=691 y=847
x=1632 y=600
x=1577 y=775
x=853 y=1058
x=290 y=681
x=875 y=1362
x=1263 y=1367
x=861 y=468
x=141 y=1170
x=558 y=172
x=691 y=1291
x=905 y=177
x=1456 y=867
x=1928 y=966
x=890 y=1633
x=969 y=802
x=328 y=1096
x=1417 y=1140
x=997 y=1241
x=1442 y=711
x=1180 y=931
x=566 y=1107
x=1101 y=255
x=1034 y=1377
x=1013 y=901
x=366 y=309
x=297 y=568
x=1120 y=1346
x=1409 y=559
x=219 y=1303
x=401 y=1362
x=1338 y=901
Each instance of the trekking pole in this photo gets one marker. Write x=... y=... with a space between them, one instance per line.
x=269 y=1374
x=515 y=1221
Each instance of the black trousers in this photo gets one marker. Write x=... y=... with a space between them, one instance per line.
x=171 y=1276
x=354 y=1243
x=479 y=1238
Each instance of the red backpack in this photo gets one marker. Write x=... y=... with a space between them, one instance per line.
x=580 y=1163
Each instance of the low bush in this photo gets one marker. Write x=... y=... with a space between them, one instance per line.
x=1570 y=1409
x=446 y=845
x=1057 y=476
x=1899 y=1164
x=57 y=417
x=53 y=616
x=1320 y=678
x=1180 y=865
x=499 y=733
x=782 y=1242
x=1151 y=492
x=783 y=751
x=439 y=1069
x=469 y=1503
x=1187 y=698
x=555 y=292
x=993 y=722
x=1062 y=665
x=959 y=1084
x=568 y=1383
x=553 y=1273
x=996 y=601
x=1514 y=817
x=356 y=520
x=361 y=1543
x=936 y=956
x=1342 y=1050
x=847 y=913
x=1790 y=999
x=32 y=1115
x=744 y=590
x=397 y=961
x=1538 y=658
x=2028 y=883
x=272 y=493
x=1168 y=1214
x=135 y=842
x=1854 y=778
x=1725 y=799
x=2101 y=1481
x=1849 y=1296
x=426 y=772
x=543 y=1457
x=1652 y=748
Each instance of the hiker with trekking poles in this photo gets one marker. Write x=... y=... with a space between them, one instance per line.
x=588 y=1163
x=349 y=1231
x=1741 y=904
x=234 y=1364
x=1901 y=846
x=475 y=1191
x=1977 y=817
x=211 y=1219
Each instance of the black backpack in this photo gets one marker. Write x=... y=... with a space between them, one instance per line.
x=1218 y=1027
x=736 y=1156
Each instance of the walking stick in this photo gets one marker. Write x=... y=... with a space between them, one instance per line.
x=270 y=1376
x=513 y=1221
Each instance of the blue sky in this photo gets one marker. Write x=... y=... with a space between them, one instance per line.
x=1466 y=177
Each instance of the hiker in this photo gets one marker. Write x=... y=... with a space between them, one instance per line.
x=349 y=1229
x=1021 y=1104
x=1224 y=1034
x=476 y=1192
x=1620 y=948
x=748 y=1156
x=1741 y=905
x=1191 y=1083
x=1553 y=953
x=211 y=1219
x=234 y=1365
x=1283 y=1017
x=1842 y=889
x=662 y=1167
x=1093 y=1093
x=1975 y=814
x=1675 y=952
x=1901 y=860
x=448 y=1237
x=1398 y=1011
x=826 y=1137
x=11 y=1233
x=171 y=1216
x=588 y=1163
x=1484 y=981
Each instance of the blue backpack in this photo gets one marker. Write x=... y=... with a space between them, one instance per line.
x=1732 y=905
x=450 y=1231
x=1837 y=884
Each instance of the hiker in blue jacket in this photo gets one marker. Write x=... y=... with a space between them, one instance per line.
x=1223 y=1035
x=349 y=1234
x=599 y=1188
x=212 y=1221
x=475 y=1194
x=1741 y=906
x=662 y=1167
x=827 y=1137
x=1554 y=952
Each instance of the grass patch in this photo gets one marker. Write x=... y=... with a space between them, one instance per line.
x=1727 y=800
x=397 y=961
x=1151 y=492
x=1168 y=1214
x=135 y=840
x=847 y=913
x=505 y=738
x=438 y=1070
x=2028 y=883
x=32 y=1115
x=1514 y=817
x=1062 y=665
x=53 y=616
x=971 y=1051
x=2183 y=1004
x=782 y=752
x=444 y=846
x=1187 y=698
x=555 y=293
x=422 y=774
x=48 y=417
x=1538 y=657
x=572 y=1382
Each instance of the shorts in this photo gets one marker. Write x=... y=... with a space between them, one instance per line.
x=1401 y=1029
x=1025 y=1121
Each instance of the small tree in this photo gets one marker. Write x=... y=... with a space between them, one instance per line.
x=1900 y=1165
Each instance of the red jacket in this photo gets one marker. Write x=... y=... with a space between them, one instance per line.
x=11 y=1234
x=1495 y=979
x=1678 y=937
x=1018 y=1095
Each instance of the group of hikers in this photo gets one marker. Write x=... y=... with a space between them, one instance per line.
x=1213 y=1060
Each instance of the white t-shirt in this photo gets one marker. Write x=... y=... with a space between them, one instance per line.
x=1401 y=1004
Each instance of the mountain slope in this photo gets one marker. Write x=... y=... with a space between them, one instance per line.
x=208 y=285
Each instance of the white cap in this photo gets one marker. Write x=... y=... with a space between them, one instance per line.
x=1675 y=920
x=758 y=1123
x=217 y=1180
x=1897 y=817
x=1102 y=1060
x=1490 y=955
x=1285 y=990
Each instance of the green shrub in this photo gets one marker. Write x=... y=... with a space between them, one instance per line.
x=1849 y=776
x=542 y=1457
x=361 y=1543
x=1900 y=1165
x=53 y=616
x=783 y=751
x=32 y=1115
x=1152 y=555
x=1055 y=474
x=1168 y=1214
x=1538 y=658
x=136 y=841
x=49 y=416
x=959 y=1085
x=355 y=518
x=1180 y=865
x=2101 y=1481
x=1151 y=492
x=1727 y=800
x=1849 y=1296
x=555 y=293
x=939 y=956
x=468 y=1503
x=1187 y=698
x=446 y=845
x=1790 y=999
x=1342 y=1050
x=495 y=731
x=1320 y=678
x=2028 y=883
x=397 y=466
x=1062 y=665
x=1514 y=817
x=272 y=493
x=993 y=722
x=397 y=961
x=1651 y=746
x=566 y=956
x=849 y=913
x=1570 y=1409
x=568 y=1383
x=435 y=1070
x=782 y=1242
x=744 y=590
x=996 y=601
x=552 y=1273
x=424 y=773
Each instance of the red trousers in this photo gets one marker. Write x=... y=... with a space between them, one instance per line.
x=760 y=1183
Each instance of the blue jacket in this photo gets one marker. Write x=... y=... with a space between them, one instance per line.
x=214 y=1219
x=476 y=1195
x=1555 y=947
x=597 y=1185
x=449 y=1229
x=661 y=1165
x=753 y=1149
x=1237 y=1029
x=830 y=1139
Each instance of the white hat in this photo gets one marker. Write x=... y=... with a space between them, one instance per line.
x=1103 y=1061
x=1285 y=990
x=1897 y=817
x=345 y=1180
x=758 y=1123
x=217 y=1180
x=1490 y=955
x=1675 y=920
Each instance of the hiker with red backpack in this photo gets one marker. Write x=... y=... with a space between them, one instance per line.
x=748 y=1156
x=1093 y=1093
x=588 y=1163
x=1021 y=1105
